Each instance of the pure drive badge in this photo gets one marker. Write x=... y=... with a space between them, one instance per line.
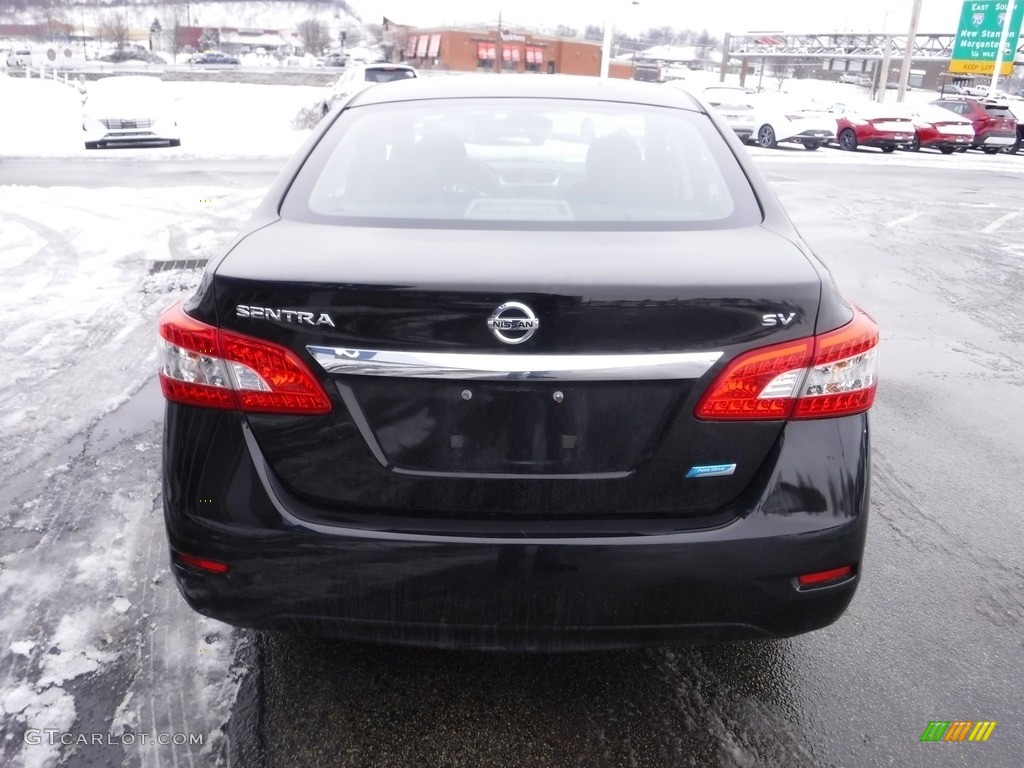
x=711 y=470
x=513 y=323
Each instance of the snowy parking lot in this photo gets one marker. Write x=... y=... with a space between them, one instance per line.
x=102 y=663
x=83 y=569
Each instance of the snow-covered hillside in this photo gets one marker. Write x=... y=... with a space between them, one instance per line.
x=259 y=14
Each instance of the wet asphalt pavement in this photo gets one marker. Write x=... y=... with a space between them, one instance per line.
x=933 y=248
x=935 y=630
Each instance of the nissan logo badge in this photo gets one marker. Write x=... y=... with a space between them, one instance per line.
x=513 y=323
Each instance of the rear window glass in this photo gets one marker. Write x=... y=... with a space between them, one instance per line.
x=511 y=162
x=998 y=110
x=387 y=75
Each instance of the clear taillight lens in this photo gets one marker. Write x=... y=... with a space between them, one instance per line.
x=205 y=366
x=825 y=376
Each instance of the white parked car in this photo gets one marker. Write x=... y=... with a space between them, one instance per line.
x=129 y=109
x=736 y=105
x=20 y=57
x=786 y=120
x=362 y=76
x=862 y=80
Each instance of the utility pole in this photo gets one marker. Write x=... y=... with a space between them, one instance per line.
x=724 y=67
x=497 y=47
x=908 y=54
x=883 y=75
x=188 y=22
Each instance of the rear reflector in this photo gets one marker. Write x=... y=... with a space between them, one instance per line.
x=205 y=366
x=824 y=578
x=812 y=378
x=211 y=566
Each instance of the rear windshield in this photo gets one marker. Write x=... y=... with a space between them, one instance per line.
x=387 y=75
x=998 y=110
x=537 y=162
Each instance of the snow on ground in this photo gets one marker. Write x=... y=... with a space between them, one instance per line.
x=94 y=637
x=85 y=588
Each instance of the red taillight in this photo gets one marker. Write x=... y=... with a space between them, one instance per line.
x=208 y=367
x=813 y=378
x=824 y=578
x=211 y=566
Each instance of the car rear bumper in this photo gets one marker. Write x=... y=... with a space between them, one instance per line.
x=649 y=583
x=811 y=136
x=886 y=139
x=526 y=596
x=995 y=140
x=948 y=140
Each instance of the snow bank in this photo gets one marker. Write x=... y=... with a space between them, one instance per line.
x=43 y=119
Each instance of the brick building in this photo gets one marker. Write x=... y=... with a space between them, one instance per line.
x=481 y=50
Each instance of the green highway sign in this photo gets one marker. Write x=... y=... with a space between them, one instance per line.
x=977 y=38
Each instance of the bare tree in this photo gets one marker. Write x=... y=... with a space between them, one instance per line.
x=780 y=68
x=52 y=24
x=314 y=34
x=114 y=27
x=209 y=38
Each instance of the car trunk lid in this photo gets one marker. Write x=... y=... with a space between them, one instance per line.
x=631 y=328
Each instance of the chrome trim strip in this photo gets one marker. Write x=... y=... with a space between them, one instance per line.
x=511 y=367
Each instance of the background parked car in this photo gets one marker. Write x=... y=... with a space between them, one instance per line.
x=1014 y=148
x=127 y=109
x=936 y=128
x=737 y=107
x=361 y=76
x=20 y=57
x=995 y=126
x=335 y=60
x=213 y=57
x=786 y=120
x=885 y=126
x=862 y=80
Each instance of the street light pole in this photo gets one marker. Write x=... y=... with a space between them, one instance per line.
x=908 y=53
x=606 y=44
x=1008 y=15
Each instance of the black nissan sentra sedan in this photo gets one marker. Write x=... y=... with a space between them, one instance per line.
x=526 y=363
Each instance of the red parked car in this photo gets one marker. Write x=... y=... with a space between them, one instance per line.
x=873 y=125
x=940 y=129
x=995 y=126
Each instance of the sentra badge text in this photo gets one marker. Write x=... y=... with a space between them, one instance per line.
x=283 y=315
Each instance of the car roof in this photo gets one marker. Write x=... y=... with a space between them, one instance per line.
x=530 y=86
x=383 y=65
